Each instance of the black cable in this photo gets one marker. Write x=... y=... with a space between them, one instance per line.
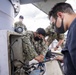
x=11 y=50
x=12 y=56
x=61 y=67
x=14 y=42
x=19 y=61
x=11 y=3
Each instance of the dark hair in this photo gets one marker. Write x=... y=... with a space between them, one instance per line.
x=60 y=7
x=21 y=17
x=41 y=31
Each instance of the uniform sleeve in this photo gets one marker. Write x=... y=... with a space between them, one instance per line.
x=51 y=34
x=60 y=36
x=28 y=48
x=72 y=45
x=25 y=28
x=49 y=40
x=47 y=30
x=15 y=25
x=44 y=48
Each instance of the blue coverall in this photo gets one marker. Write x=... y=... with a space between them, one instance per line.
x=69 y=50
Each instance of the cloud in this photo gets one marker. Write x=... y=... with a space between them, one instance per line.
x=41 y=16
x=29 y=10
x=72 y=3
x=33 y=17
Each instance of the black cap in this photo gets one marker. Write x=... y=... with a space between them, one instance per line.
x=21 y=17
x=41 y=31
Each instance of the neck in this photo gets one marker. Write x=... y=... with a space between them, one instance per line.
x=34 y=34
x=71 y=20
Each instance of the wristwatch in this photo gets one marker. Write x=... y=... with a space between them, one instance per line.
x=57 y=46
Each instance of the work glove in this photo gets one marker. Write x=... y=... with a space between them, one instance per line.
x=33 y=62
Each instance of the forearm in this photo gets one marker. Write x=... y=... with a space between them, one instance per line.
x=39 y=58
x=60 y=43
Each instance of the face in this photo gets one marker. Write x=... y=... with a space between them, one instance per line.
x=20 y=19
x=38 y=37
x=58 y=23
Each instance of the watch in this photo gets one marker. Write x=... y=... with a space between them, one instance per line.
x=57 y=46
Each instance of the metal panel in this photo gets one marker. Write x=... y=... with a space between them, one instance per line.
x=4 y=59
x=29 y=1
x=45 y=6
x=6 y=15
x=53 y=68
x=8 y=43
x=16 y=45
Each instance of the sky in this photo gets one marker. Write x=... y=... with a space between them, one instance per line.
x=35 y=18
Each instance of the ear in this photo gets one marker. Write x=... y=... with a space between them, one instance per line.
x=60 y=14
x=35 y=33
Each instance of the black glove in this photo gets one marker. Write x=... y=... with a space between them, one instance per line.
x=48 y=54
x=18 y=29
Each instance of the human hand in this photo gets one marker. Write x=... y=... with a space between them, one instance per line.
x=39 y=58
x=60 y=58
x=56 y=48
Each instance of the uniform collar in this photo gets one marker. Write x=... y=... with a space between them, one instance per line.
x=73 y=23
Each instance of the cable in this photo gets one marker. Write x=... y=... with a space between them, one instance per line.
x=12 y=56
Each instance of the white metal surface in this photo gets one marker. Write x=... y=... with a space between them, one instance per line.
x=4 y=63
x=6 y=15
x=53 y=68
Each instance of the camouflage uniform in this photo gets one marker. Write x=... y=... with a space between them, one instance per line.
x=41 y=47
x=20 y=24
x=28 y=48
x=32 y=48
x=52 y=35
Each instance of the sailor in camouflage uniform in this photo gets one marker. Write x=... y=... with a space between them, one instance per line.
x=34 y=49
x=52 y=35
x=20 y=24
x=34 y=46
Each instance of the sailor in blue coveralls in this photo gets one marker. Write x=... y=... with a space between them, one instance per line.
x=64 y=18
